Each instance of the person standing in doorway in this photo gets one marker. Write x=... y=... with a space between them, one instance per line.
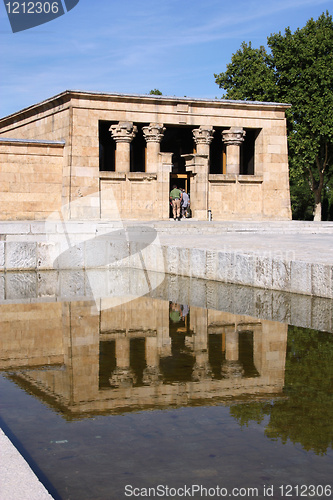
x=176 y=196
x=184 y=202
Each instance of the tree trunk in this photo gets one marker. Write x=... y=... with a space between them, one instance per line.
x=317 y=189
x=317 y=212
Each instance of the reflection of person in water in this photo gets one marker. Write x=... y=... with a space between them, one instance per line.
x=185 y=311
x=175 y=312
x=178 y=312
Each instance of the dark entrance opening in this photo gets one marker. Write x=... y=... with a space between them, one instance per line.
x=247 y=151
x=179 y=141
x=107 y=147
x=217 y=153
x=138 y=150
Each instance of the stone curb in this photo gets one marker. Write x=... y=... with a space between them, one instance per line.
x=229 y=255
x=18 y=481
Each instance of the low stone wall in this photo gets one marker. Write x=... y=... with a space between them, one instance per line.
x=74 y=245
x=121 y=285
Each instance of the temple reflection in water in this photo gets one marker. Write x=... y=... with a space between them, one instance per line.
x=143 y=353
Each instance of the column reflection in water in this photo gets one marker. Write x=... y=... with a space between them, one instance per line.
x=143 y=353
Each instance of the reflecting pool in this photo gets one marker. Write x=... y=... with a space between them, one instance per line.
x=173 y=393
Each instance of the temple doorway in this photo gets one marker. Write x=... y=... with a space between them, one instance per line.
x=182 y=181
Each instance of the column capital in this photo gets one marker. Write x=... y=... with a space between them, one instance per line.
x=153 y=132
x=123 y=131
x=234 y=136
x=203 y=135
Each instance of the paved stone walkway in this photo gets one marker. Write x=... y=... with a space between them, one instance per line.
x=17 y=480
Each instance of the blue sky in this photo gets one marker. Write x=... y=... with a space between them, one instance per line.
x=133 y=46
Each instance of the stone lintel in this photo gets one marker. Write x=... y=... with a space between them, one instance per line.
x=115 y=176
x=250 y=179
x=141 y=176
x=241 y=179
x=218 y=178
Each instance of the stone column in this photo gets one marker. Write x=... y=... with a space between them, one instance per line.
x=123 y=375
x=163 y=180
x=198 y=167
x=233 y=139
x=152 y=374
x=203 y=137
x=201 y=369
x=232 y=368
x=123 y=133
x=153 y=134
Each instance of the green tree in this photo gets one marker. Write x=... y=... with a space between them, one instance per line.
x=155 y=92
x=249 y=75
x=298 y=70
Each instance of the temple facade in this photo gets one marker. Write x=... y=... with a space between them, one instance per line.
x=110 y=156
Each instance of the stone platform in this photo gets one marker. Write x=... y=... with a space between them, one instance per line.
x=291 y=256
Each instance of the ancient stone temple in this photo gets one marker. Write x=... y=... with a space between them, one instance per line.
x=119 y=154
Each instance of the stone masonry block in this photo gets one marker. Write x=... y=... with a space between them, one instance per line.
x=119 y=253
x=72 y=257
x=48 y=284
x=226 y=297
x=263 y=300
x=322 y=314
x=20 y=255
x=15 y=227
x=21 y=285
x=321 y=277
x=281 y=307
x=72 y=284
x=301 y=277
x=198 y=296
x=244 y=269
x=96 y=252
x=244 y=302
x=184 y=264
x=47 y=253
x=281 y=275
x=226 y=266
x=99 y=284
x=2 y=255
x=211 y=264
x=263 y=277
x=198 y=263
x=172 y=260
x=301 y=310
x=2 y=287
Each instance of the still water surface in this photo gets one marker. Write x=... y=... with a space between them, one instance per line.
x=152 y=393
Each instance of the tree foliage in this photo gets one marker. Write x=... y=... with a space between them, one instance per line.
x=249 y=75
x=155 y=92
x=305 y=415
x=297 y=70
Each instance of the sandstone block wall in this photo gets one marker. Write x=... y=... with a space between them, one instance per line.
x=29 y=339
x=30 y=179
